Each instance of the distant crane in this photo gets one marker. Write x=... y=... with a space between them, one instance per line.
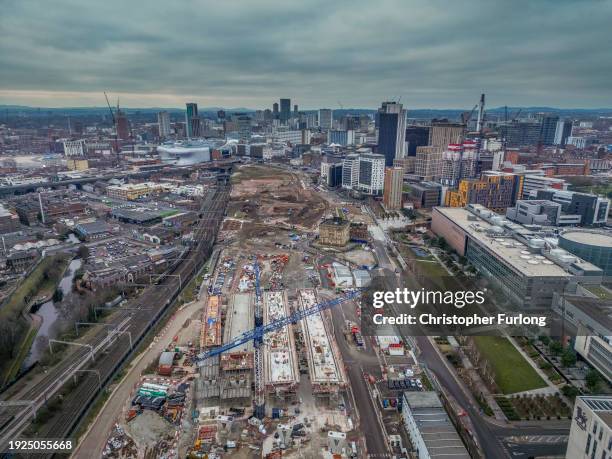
x=114 y=125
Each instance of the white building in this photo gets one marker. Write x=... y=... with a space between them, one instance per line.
x=591 y=432
x=371 y=174
x=163 y=122
x=294 y=137
x=74 y=147
x=533 y=183
x=350 y=172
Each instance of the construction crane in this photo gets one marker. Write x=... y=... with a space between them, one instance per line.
x=259 y=332
x=260 y=401
x=114 y=124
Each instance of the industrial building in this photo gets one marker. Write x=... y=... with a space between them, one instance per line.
x=236 y=365
x=515 y=258
x=431 y=431
x=281 y=368
x=324 y=363
x=591 y=431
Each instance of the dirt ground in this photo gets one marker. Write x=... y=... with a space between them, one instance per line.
x=275 y=198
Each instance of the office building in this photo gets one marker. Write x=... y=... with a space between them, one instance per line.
x=494 y=190
x=406 y=163
x=431 y=431
x=350 y=172
x=562 y=132
x=285 y=110
x=391 y=132
x=331 y=171
x=535 y=212
x=592 y=209
x=591 y=431
x=443 y=133
x=548 y=128
x=163 y=123
x=392 y=190
x=425 y=194
x=191 y=114
x=533 y=183
x=325 y=118
x=520 y=133
x=371 y=174
x=506 y=253
x=428 y=163
x=416 y=136
x=275 y=113
x=593 y=246
x=343 y=138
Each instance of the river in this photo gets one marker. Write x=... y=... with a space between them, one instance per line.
x=49 y=313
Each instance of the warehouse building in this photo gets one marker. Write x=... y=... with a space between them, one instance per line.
x=431 y=431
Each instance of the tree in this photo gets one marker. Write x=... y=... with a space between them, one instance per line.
x=568 y=358
x=593 y=380
x=570 y=391
x=555 y=347
x=83 y=252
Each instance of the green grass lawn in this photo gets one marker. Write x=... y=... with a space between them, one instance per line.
x=512 y=372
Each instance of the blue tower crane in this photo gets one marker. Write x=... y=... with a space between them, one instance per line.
x=259 y=331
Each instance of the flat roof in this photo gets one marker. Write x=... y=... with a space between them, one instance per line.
x=435 y=427
x=322 y=360
x=598 y=309
x=506 y=247
x=596 y=238
x=239 y=319
x=280 y=358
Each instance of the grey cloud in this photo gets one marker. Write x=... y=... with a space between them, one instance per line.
x=433 y=53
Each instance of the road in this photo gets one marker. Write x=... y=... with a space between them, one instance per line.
x=94 y=440
x=357 y=363
x=490 y=436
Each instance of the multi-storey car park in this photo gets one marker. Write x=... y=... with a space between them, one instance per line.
x=280 y=359
x=237 y=363
x=325 y=366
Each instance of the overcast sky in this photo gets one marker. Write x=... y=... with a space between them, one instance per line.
x=320 y=53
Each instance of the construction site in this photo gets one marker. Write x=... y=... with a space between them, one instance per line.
x=248 y=393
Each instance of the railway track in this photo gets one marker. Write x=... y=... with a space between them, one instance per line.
x=113 y=346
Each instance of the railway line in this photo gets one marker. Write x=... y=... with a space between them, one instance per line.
x=110 y=346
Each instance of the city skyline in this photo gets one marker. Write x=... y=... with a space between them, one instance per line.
x=239 y=55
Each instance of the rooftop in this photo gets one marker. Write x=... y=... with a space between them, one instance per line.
x=437 y=431
x=595 y=238
x=506 y=247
